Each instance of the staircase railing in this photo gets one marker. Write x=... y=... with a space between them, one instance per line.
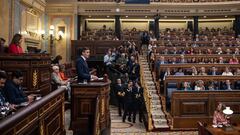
x=147 y=98
x=96 y=125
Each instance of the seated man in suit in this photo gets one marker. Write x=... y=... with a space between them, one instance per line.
x=13 y=89
x=3 y=101
x=213 y=71
x=227 y=85
x=82 y=67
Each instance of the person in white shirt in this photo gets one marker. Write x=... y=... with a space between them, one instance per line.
x=108 y=59
x=227 y=72
x=199 y=85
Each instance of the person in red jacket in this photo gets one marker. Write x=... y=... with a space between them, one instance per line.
x=15 y=46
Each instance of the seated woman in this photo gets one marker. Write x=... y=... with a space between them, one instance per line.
x=15 y=46
x=194 y=71
x=227 y=72
x=202 y=71
x=57 y=80
x=199 y=85
x=186 y=86
x=179 y=72
x=62 y=73
x=219 y=118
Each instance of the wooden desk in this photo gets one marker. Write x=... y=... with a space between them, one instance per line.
x=35 y=68
x=188 y=107
x=221 y=131
x=42 y=117
x=86 y=100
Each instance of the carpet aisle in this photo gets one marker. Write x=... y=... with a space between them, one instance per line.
x=129 y=128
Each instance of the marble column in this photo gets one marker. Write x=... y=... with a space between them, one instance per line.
x=195 y=26
x=156 y=26
x=79 y=26
x=118 y=26
x=237 y=25
x=190 y=25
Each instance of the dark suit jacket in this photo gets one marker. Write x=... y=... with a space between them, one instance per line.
x=82 y=70
x=138 y=91
x=135 y=75
x=119 y=88
x=211 y=73
x=2 y=98
x=14 y=93
x=128 y=97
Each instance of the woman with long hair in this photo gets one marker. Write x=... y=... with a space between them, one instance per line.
x=15 y=46
x=219 y=118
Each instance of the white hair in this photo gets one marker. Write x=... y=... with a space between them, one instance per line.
x=55 y=67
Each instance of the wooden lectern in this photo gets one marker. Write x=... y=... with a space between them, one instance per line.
x=90 y=113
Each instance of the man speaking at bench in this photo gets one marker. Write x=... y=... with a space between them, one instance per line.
x=82 y=67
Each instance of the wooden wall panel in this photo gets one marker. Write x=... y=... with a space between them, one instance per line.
x=188 y=107
x=35 y=68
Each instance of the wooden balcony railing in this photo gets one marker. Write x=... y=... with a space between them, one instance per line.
x=163 y=1
x=147 y=99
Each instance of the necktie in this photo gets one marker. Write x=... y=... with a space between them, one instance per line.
x=86 y=63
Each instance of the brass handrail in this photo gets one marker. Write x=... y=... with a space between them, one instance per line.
x=147 y=98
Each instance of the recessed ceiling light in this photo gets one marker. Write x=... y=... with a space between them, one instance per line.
x=117 y=10
x=126 y=16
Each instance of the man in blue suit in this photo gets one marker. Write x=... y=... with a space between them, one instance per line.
x=13 y=90
x=82 y=67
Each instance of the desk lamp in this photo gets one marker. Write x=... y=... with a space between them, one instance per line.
x=227 y=111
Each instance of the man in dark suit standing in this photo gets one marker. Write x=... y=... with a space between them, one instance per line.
x=137 y=101
x=128 y=99
x=82 y=67
x=120 y=95
x=134 y=72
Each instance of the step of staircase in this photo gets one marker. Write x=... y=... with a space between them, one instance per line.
x=159 y=126
x=156 y=107
x=149 y=75
x=158 y=117
x=155 y=102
